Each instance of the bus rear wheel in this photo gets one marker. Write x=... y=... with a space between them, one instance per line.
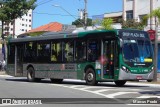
x=90 y=77
x=120 y=83
x=56 y=80
x=31 y=75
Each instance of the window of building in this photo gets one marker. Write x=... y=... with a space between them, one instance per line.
x=22 y=19
x=29 y=25
x=26 y=20
x=141 y=17
x=129 y=14
x=22 y=29
x=30 y=15
x=22 y=24
x=29 y=20
x=81 y=47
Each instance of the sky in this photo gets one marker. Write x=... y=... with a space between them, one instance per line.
x=45 y=12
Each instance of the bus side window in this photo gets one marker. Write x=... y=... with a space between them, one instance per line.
x=80 y=51
x=93 y=50
x=54 y=51
x=11 y=54
x=68 y=51
x=43 y=51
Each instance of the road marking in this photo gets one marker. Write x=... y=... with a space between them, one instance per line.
x=102 y=90
x=92 y=87
x=144 y=96
x=118 y=93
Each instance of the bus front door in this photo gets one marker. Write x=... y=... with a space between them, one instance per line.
x=18 y=60
x=108 y=52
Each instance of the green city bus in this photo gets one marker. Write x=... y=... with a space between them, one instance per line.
x=94 y=56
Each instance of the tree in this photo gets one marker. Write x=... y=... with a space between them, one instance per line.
x=107 y=23
x=13 y=9
x=78 y=24
x=133 y=24
x=104 y=23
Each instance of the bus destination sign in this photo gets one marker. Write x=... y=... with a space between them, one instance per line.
x=133 y=34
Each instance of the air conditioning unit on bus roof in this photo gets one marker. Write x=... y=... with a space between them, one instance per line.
x=81 y=29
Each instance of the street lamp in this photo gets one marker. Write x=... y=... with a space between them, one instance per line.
x=55 y=5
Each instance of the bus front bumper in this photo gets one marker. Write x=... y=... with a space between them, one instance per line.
x=129 y=76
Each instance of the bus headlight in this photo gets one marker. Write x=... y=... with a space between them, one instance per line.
x=152 y=69
x=125 y=69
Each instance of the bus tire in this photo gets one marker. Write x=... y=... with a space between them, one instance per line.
x=120 y=83
x=149 y=80
x=90 y=77
x=31 y=75
x=56 y=80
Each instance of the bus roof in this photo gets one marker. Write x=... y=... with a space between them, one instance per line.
x=61 y=35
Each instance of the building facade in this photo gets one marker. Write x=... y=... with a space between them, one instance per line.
x=19 y=25
x=136 y=9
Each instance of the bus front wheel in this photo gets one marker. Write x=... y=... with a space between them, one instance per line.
x=120 y=83
x=90 y=77
x=31 y=75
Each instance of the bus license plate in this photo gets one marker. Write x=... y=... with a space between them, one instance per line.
x=139 y=77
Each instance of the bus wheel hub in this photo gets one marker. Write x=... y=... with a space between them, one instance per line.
x=90 y=77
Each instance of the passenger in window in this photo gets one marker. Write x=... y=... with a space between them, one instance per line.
x=54 y=56
x=70 y=52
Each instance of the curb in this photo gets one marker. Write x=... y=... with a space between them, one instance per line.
x=3 y=73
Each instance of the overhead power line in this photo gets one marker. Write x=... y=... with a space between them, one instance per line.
x=56 y=14
x=41 y=3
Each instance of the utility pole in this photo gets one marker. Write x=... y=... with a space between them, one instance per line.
x=156 y=52
x=155 y=41
x=85 y=14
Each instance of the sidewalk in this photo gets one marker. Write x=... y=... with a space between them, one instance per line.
x=2 y=73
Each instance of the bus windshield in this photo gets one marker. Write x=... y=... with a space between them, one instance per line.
x=137 y=50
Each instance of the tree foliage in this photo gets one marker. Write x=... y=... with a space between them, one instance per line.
x=132 y=24
x=155 y=13
x=13 y=9
x=78 y=24
x=107 y=23
x=104 y=23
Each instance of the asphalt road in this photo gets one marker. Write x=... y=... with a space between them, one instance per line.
x=75 y=92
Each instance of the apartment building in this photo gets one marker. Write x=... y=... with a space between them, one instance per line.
x=136 y=9
x=21 y=25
